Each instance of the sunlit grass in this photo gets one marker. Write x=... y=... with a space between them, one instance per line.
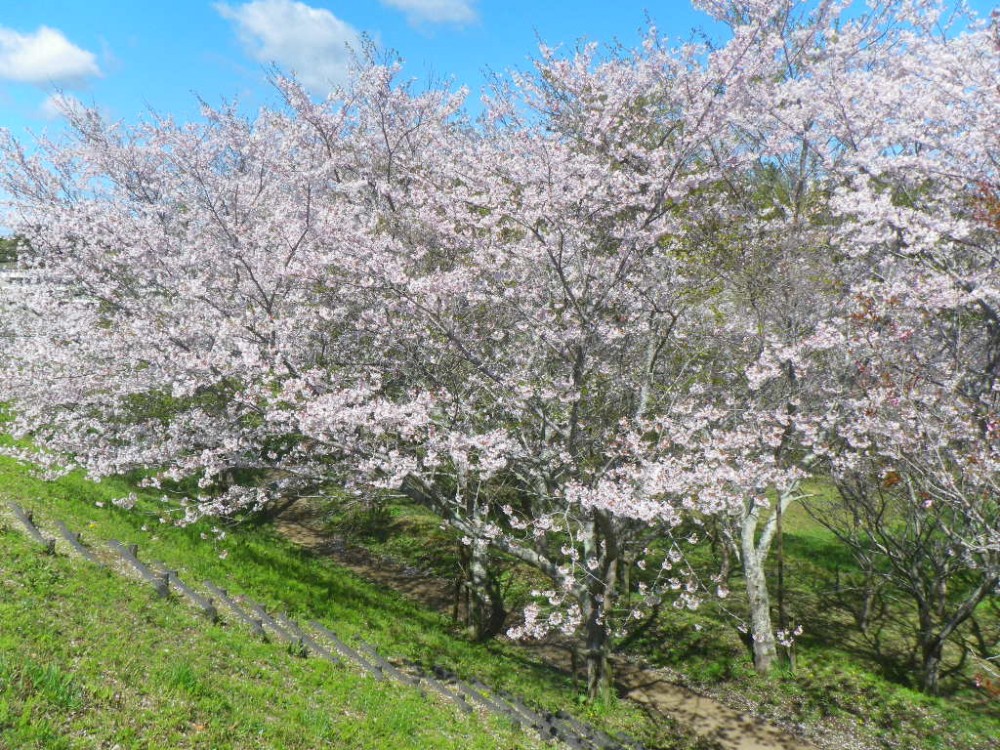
x=163 y=674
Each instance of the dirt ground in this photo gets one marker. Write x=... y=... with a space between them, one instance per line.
x=651 y=687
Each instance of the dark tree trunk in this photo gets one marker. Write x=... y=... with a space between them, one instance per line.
x=598 y=665
x=930 y=672
x=478 y=589
x=602 y=545
x=487 y=613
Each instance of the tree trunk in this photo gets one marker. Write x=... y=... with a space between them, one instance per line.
x=602 y=545
x=930 y=671
x=788 y=648
x=761 y=630
x=478 y=600
x=486 y=608
x=866 y=610
x=931 y=644
x=598 y=666
x=932 y=638
x=754 y=552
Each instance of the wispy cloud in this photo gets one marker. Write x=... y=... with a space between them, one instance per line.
x=44 y=57
x=312 y=42
x=436 y=11
x=59 y=105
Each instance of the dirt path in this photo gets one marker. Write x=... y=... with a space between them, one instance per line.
x=651 y=687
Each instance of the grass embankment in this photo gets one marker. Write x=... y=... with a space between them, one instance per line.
x=862 y=685
x=90 y=659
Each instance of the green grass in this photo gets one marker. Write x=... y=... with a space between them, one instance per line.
x=399 y=531
x=68 y=680
x=844 y=681
x=91 y=659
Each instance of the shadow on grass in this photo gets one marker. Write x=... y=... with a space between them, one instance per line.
x=823 y=551
x=320 y=589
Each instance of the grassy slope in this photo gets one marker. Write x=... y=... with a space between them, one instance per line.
x=92 y=660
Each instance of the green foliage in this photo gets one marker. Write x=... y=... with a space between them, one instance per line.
x=8 y=249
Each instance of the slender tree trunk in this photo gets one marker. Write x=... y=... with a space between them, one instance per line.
x=598 y=666
x=461 y=587
x=486 y=608
x=866 y=610
x=625 y=581
x=601 y=545
x=754 y=553
x=787 y=650
x=761 y=629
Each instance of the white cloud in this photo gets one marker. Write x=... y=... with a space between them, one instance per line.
x=435 y=11
x=59 y=105
x=44 y=57
x=310 y=41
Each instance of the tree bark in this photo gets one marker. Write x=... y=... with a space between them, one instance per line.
x=486 y=608
x=601 y=545
x=753 y=553
x=930 y=671
x=761 y=630
x=598 y=666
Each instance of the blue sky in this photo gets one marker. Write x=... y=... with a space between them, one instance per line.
x=129 y=56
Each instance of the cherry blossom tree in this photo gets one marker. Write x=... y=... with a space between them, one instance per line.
x=908 y=414
x=559 y=307
x=915 y=457
x=364 y=290
x=198 y=278
x=868 y=127
x=614 y=305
